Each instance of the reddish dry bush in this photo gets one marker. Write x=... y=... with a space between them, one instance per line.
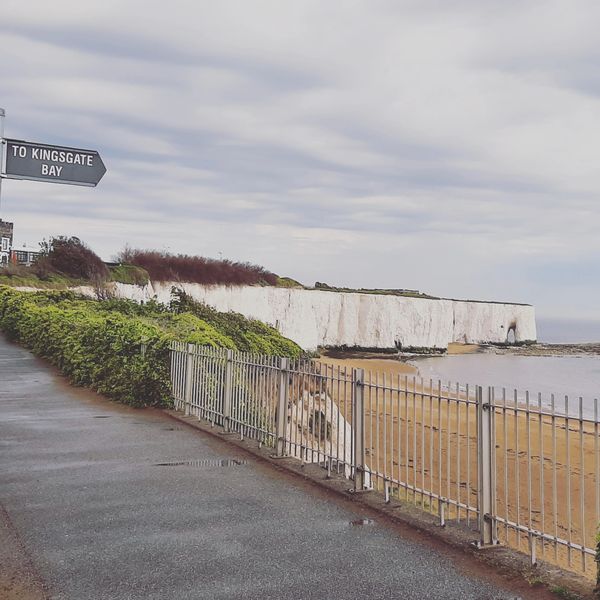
x=162 y=266
x=71 y=257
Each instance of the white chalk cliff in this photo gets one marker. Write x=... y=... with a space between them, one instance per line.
x=314 y=318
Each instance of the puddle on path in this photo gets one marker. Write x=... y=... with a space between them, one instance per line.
x=224 y=462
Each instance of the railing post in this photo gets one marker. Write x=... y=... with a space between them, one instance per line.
x=486 y=462
x=227 y=390
x=358 y=428
x=282 y=406
x=189 y=375
x=173 y=374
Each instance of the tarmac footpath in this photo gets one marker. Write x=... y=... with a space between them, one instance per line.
x=101 y=501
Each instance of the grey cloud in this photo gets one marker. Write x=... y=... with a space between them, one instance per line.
x=314 y=137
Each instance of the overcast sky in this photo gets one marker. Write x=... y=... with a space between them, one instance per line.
x=451 y=147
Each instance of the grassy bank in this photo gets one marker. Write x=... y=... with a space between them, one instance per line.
x=97 y=343
x=19 y=276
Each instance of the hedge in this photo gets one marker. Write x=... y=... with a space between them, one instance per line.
x=98 y=344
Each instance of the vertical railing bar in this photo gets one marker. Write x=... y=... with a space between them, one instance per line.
x=253 y=400
x=439 y=436
x=332 y=402
x=554 y=486
x=321 y=425
x=528 y=435
x=289 y=426
x=348 y=467
x=517 y=468
x=202 y=371
x=505 y=443
x=282 y=407
x=247 y=358
x=596 y=463
x=568 y=474
x=458 y=442
x=220 y=396
x=407 y=437
x=265 y=401
x=414 y=456
x=492 y=409
x=358 y=380
x=468 y=433
x=399 y=385
x=272 y=395
x=372 y=440
x=233 y=388
x=377 y=417
x=448 y=444
x=255 y=412
x=258 y=400
x=385 y=456
x=305 y=395
x=339 y=404
x=202 y=391
x=582 y=486
x=324 y=393
x=392 y=428
x=201 y=388
x=242 y=394
x=188 y=379
x=422 y=444
x=296 y=409
x=431 y=448
x=213 y=361
x=235 y=384
x=321 y=412
x=239 y=376
x=250 y=390
x=196 y=381
x=542 y=491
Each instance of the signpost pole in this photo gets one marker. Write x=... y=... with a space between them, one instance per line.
x=2 y=115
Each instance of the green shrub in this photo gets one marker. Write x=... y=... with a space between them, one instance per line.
x=98 y=343
x=248 y=335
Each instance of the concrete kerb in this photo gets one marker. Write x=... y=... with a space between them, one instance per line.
x=506 y=562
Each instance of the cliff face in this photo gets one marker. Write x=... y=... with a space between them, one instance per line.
x=315 y=318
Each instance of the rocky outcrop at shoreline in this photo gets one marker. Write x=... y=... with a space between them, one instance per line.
x=545 y=349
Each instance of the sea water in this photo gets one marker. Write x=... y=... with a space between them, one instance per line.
x=568 y=331
x=574 y=376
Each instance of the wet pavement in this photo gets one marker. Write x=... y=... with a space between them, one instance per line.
x=116 y=503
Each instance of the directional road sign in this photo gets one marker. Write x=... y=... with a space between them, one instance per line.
x=54 y=164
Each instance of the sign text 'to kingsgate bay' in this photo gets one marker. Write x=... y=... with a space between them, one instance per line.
x=54 y=164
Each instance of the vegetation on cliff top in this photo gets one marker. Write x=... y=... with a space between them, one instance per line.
x=163 y=266
x=69 y=261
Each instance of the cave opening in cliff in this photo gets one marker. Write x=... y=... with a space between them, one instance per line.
x=511 y=336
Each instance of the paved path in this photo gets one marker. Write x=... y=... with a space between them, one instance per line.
x=99 y=519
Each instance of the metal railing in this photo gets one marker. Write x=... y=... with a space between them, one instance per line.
x=517 y=471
